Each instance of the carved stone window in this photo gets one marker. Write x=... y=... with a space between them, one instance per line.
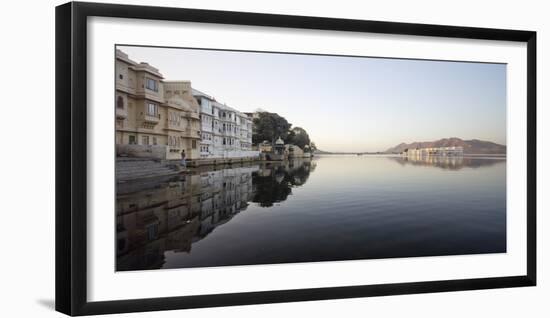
x=120 y=102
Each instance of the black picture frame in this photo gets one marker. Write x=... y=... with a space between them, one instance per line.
x=71 y=157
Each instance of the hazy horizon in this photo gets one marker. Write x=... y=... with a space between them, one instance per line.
x=349 y=104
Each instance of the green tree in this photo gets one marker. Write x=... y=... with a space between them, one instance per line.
x=312 y=146
x=299 y=137
x=269 y=126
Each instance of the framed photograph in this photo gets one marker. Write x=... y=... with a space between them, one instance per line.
x=212 y=158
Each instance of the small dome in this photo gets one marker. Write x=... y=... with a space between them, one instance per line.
x=279 y=141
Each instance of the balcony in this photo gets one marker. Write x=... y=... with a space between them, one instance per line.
x=150 y=118
x=121 y=113
x=190 y=133
x=174 y=125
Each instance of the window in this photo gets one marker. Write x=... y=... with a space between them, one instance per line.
x=224 y=141
x=132 y=140
x=155 y=141
x=151 y=84
x=120 y=76
x=120 y=102
x=194 y=144
x=152 y=231
x=145 y=140
x=152 y=109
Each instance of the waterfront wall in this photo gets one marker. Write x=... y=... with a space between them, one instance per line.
x=159 y=152
x=221 y=154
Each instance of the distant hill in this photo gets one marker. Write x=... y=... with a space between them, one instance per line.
x=322 y=152
x=473 y=146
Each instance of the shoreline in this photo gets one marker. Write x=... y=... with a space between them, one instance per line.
x=129 y=169
x=468 y=155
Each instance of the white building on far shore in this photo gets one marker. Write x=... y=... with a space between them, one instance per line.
x=435 y=151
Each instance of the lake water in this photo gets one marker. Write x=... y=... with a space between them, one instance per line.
x=325 y=209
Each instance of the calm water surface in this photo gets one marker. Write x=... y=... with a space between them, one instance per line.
x=328 y=208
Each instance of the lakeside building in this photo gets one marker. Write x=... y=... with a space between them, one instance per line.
x=154 y=118
x=158 y=119
x=225 y=131
x=435 y=151
x=279 y=151
x=297 y=152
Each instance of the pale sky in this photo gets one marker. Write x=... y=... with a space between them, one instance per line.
x=349 y=103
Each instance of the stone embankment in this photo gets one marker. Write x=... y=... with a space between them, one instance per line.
x=136 y=168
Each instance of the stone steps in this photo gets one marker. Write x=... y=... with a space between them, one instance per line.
x=130 y=169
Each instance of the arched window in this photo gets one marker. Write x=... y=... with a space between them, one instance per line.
x=120 y=102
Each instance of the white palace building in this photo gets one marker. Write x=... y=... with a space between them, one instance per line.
x=436 y=151
x=225 y=131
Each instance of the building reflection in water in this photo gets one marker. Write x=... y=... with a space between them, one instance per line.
x=449 y=162
x=170 y=215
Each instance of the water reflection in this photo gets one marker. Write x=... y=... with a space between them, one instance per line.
x=173 y=214
x=330 y=208
x=274 y=182
x=448 y=162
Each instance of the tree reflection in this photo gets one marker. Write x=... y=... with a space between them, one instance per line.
x=274 y=181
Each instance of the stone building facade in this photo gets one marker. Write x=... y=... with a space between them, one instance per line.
x=154 y=118
x=225 y=131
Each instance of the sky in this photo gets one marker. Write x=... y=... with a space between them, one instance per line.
x=350 y=104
